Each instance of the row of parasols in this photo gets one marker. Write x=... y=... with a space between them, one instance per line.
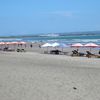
x=12 y=43
x=76 y=45
x=93 y=45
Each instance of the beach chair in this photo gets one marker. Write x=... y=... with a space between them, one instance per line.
x=89 y=54
x=21 y=50
x=18 y=50
x=76 y=53
x=8 y=49
x=5 y=48
x=55 y=52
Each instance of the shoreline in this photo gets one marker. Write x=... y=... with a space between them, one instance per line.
x=36 y=47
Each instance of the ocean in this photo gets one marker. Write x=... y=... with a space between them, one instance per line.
x=68 y=39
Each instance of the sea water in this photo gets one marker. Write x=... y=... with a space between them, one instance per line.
x=68 y=39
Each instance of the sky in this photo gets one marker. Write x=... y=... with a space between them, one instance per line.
x=19 y=17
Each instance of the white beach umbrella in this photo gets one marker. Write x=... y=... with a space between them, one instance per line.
x=46 y=45
x=55 y=44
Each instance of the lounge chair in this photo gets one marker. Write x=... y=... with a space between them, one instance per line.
x=20 y=50
x=76 y=53
x=8 y=49
x=89 y=54
x=5 y=49
x=23 y=50
x=55 y=52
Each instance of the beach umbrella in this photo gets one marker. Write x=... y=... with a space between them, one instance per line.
x=8 y=43
x=22 y=42
x=77 y=45
x=2 y=43
x=15 y=43
x=91 y=45
x=62 y=45
x=55 y=44
x=47 y=45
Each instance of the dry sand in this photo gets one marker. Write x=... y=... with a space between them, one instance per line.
x=34 y=76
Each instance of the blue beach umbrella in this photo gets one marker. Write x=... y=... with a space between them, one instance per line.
x=62 y=45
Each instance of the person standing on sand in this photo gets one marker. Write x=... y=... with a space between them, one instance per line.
x=39 y=46
x=25 y=45
x=31 y=45
x=77 y=50
x=99 y=51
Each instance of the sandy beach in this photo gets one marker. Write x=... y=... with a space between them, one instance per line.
x=35 y=76
x=49 y=50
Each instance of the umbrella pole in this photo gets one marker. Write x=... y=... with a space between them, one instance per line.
x=47 y=49
x=90 y=49
x=62 y=49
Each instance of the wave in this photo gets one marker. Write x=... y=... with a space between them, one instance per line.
x=87 y=40
x=49 y=35
x=63 y=40
x=10 y=39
